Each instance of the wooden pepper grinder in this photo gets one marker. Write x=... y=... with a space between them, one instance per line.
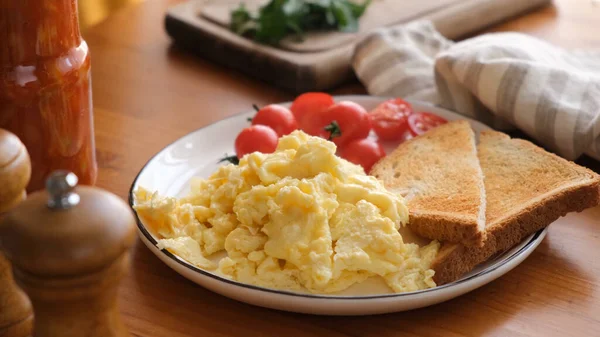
x=16 y=315
x=69 y=247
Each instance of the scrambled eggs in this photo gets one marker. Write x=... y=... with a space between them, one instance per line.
x=298 y=219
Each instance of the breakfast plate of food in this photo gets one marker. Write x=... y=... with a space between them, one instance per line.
x=351 y=205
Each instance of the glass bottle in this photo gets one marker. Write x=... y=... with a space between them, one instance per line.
x=45 y=87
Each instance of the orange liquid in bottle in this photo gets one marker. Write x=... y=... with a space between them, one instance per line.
x=45 y=87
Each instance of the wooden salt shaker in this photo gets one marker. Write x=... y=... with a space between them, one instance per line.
x=16 y=315
x=69 y=247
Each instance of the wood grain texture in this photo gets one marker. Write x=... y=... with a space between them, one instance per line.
x=70 y=261
x=147 y=93
x=16 y=314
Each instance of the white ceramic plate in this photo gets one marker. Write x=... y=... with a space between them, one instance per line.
x=196 y=154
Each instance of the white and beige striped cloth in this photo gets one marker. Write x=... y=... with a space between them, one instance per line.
x=505 y=80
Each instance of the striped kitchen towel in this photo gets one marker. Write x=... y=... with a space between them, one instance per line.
x=504 y=80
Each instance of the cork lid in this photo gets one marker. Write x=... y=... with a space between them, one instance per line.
x=15 y=170
x=67 y=229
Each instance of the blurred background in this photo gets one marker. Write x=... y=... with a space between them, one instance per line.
x=92 y=12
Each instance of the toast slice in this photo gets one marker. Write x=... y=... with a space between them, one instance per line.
x=527 y=189
x=439 y=175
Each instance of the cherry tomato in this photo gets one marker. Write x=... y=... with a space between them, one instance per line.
x=390 y=119
x=405 y=136
x=421 y=122
x=351 y=118
x=254 y=138
x=364 y=152
x=277 y=117
x=314 y=124
x=310 y=102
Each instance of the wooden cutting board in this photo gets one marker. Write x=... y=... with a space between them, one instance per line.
x=322 y=60
x=380 y=13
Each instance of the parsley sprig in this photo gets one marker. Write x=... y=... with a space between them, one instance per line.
x=280 y=18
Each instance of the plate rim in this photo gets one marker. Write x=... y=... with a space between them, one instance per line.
x=148 y=236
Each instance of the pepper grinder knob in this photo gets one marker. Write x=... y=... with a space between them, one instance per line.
x=61 y=186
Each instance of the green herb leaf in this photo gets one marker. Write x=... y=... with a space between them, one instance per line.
x=346 y=20
x=272 y=23
x=280 y=18
x=294 y=27
x=241 y=20
x=359 y=10
x=232 y=159
x=294 y=7
x=322 y=3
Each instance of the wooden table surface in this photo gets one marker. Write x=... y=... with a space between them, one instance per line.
x=147 y=93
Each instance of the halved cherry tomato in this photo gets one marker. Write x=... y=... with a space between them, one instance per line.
x=277 y=117
x=310 y=102
x=254 y=138
x=421 y=122
x=390 y=119
x=351 y=118
x=364 y=152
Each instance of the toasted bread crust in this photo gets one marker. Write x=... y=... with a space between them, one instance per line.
x=440 y=175
x=455 y=260
x=446 y=228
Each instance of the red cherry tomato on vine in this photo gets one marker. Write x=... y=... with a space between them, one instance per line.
x=254 y=138
x=277 y=117
x=364 y=152
x=390 y=119
x=351 y=122
x=421 y=122
x=310 y=102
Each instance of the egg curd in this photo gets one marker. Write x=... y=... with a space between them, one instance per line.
x=299 y=219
